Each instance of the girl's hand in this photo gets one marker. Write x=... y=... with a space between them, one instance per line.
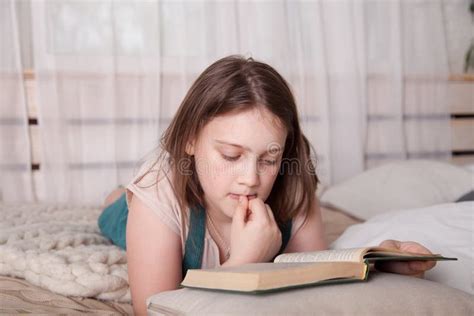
x=255 y=236
x=412 y=268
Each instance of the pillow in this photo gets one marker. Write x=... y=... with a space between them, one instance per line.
x=469 y=167
x=383 y=294
x=447 y=229
x=466 y=197
x=400 y=185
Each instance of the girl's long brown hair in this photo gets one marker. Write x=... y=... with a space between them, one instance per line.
x=234 y=84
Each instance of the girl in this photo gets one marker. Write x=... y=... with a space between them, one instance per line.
x=233 y=184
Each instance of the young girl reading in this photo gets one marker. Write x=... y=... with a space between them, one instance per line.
x=233 y=183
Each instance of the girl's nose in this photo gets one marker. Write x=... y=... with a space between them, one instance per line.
x=250 y=175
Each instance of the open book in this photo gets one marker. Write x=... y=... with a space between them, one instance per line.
x=299 y=269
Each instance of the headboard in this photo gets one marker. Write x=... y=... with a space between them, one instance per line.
x=461 y=98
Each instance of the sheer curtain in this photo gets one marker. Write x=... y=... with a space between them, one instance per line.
x=368 y=76
x=98 y=70
x=15 y=157
x=407 y=70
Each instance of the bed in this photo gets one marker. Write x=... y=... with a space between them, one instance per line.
x=18 y=295
x=53 y=259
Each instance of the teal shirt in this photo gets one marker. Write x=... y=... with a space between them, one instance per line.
x=113 y=224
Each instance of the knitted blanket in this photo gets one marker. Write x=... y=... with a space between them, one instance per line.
x=60 y=248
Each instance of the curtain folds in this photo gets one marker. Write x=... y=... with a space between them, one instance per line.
x=16 y=182
x=369 y=78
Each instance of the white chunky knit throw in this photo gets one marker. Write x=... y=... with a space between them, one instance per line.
x=61 y=249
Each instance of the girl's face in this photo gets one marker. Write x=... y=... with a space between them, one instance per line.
x=238 y=154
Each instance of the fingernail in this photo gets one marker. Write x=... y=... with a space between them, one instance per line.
x=417 y=266
x=241 y=199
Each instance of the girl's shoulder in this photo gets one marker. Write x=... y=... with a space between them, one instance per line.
x=155 y=168
x=153 y=185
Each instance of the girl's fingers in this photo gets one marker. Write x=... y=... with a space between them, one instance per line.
x=412 y=246
x=390 y=243
x=259 y=211
x=421 y=265
x=408 y=246
x=414 y=268
x=240 y=212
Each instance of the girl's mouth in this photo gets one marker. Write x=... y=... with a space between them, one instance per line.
x=237 y=196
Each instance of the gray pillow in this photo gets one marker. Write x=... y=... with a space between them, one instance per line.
x=383 y=294
x=469 y=196
x=399 y=185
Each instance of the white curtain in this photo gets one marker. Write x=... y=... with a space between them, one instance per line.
x=369 y=78
x=15 y=158
x=98 y=70
x=407 y=71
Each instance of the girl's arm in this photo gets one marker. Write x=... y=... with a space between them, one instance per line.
x=153 y=255
x=310 y=237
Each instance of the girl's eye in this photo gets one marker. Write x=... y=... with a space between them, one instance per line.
x=230 y=158
x=269 y=162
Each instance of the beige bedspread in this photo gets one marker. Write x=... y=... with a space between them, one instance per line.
x=335 y=223
x=19 y=297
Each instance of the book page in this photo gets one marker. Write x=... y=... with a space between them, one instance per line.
x=350 y=254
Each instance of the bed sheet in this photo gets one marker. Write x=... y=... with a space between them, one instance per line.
x=19 y=297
